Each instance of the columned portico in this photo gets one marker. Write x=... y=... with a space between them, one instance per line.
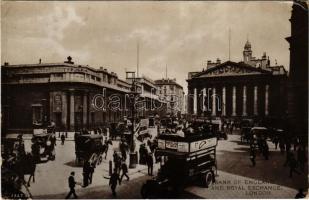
x=240 y=89
x=213 y=111
x=255 y=100
x=223 y=101
x=204 y=99
x=72 y=111
x=85 y=108
x=195 y=101
x=266 y=100
x=234 y=101
x=244 y=101
x=64 y=112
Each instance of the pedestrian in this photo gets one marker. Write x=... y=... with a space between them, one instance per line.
x=281 y=145
x=72 y=184
x=232 y=127
x=295 y=142
x=117 y=161
x=252 y=155
x=289 y=155
x=86 y=173
x=150 y=164
x=91 y=171
x=35 y=150
x=276 y=141
x=287 y=146
x=106 y=144
x=113 y=182
x=301 y=157
x=143 y=154
x=123 y=150
x=293 y=165
x=124 y=168
x=265 y=150
x=62 y=139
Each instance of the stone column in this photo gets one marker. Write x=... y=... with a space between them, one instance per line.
x=72 y=111
x=85 y=108
x=214 y=109
x=204 y=96
x=64 y=112
x=234 y=101
x=195 y=102
x=255 y=100
x=51 y=106
x=266 y=100
x=223 y=101
x=244 y=101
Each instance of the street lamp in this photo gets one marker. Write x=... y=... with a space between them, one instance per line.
x=135 y=93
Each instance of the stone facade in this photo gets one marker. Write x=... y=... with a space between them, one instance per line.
x=72 y=96
x=298 y=77
x=232 y=89
x=172 y=92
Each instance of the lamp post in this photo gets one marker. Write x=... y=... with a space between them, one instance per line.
x=133 y=154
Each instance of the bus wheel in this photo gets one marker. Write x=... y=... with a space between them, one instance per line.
x=208 y=179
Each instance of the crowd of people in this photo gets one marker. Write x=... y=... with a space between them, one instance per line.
x=119 y=166
x=295 y=157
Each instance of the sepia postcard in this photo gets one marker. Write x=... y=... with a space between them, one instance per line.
x=154 y=99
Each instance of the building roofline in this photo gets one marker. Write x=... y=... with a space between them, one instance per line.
x=18 y=66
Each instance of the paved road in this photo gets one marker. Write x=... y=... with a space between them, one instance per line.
x=233 y=165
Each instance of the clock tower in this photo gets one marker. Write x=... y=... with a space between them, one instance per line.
x=247 y=53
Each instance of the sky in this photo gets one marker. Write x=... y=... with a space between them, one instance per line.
x=179 y=35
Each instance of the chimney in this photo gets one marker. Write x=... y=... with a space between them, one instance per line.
x=6 y=64
x=218 y=61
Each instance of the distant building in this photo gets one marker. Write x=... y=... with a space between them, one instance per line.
x=298 y=77
x=251 y=88
x=149 y=103
x=73 y=96
x=172 y=92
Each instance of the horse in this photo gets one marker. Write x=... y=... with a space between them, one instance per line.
x=28 y=166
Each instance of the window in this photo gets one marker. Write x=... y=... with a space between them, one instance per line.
x=58 y=75
x=37 y=114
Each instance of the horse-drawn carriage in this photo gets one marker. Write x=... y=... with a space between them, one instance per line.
x=15 y=165
x=12 y=145
x=245 y=133
x=43 y=146
x=89 y=148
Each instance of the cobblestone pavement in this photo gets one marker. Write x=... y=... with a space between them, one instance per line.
x=236 y=178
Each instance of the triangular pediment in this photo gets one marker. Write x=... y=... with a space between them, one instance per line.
x=231 y=69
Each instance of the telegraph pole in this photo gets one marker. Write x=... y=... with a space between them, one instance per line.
x=137 y=59
x=229 y=44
